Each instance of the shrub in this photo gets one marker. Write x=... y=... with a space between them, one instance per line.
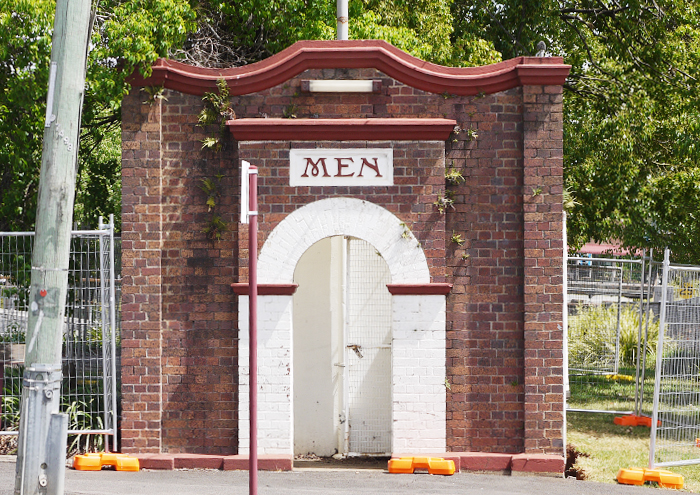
x=592 y=335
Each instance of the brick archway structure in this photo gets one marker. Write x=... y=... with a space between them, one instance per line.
x=498 y=243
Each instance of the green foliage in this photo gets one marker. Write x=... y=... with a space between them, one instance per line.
x=80 y=418
x=215 y=227
x=257 y=29
x=126 y=34
x=453 y=176
x=82 y=413
x=591 y=336
x=217 y=110
x=25 y=48
x=631 y=110
x=444 y=202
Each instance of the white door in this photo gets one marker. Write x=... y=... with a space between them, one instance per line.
x=367 y=350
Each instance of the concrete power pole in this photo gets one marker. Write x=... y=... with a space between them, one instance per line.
x=41 y=454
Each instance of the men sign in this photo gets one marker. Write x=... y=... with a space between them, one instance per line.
x=341 y=167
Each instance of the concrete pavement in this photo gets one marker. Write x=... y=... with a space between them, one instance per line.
x=315 y=481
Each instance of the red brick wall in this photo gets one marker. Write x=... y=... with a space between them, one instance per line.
x=504 y=344
x=543 y=243
x=142 y=316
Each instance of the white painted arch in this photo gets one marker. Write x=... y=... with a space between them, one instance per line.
x=418 y=328
x=342 y=216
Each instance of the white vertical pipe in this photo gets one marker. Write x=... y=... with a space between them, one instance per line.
x=342 y=18
x=346 y=374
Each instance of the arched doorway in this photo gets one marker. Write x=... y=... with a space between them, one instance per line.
x=342 y=349
x=417 y=330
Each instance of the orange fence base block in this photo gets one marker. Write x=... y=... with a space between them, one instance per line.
x=434 y=465
x=665 y=479
x=403 y=465
x=87 y=462
x=95 y=462
x=638 y=476
x=633 y=420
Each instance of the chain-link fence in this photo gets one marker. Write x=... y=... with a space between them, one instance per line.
x=90 y=335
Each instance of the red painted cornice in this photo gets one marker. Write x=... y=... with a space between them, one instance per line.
x=419 y=289
x=341 y=129
x=241 y=289
x=357 y=54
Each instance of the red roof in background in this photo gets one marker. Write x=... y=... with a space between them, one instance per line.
x=596 y=248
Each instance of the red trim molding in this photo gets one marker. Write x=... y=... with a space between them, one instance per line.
x=341 y=129
x=241 y=289
x=358 y=54
x=419 y=289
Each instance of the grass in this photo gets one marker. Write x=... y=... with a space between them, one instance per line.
x=609 y=392
x=611 y=447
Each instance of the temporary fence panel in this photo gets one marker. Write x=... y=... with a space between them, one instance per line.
x=675 y=435
x=90 y=333
x=368 y=349
x=605 y=302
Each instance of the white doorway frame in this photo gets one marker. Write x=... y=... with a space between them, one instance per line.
x=418 y=328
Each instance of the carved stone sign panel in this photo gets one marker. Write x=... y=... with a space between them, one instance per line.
x=341 y=167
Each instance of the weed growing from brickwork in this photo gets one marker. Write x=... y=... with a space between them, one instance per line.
x=217 y=110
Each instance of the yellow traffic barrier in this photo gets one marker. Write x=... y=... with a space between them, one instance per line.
x=434 y=465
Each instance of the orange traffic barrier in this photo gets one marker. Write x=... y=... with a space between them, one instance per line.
x=633 y=420
x=638 y=476
x=434 y=465
x=96 y=461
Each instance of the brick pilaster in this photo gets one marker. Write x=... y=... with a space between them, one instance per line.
x=543 y=268
x=141 y=275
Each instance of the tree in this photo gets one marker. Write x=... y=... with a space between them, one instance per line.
x=234 y=34
x=631 y=110
x=133 y=34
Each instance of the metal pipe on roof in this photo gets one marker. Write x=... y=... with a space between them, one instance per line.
x=342 y=17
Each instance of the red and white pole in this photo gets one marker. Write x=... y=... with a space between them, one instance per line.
x=253 y=325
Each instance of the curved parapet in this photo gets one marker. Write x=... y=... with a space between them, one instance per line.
x=358 y=54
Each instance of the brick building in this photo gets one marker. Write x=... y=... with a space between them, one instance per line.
x=410 y=256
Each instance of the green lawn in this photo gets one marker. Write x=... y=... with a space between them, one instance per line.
x=611 y=447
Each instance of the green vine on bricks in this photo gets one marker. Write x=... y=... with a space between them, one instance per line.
x=457 y=238
x=217 y=110
x=154 y=93
x=453 y=176
x=445 y=201
x=568 y=200
x=215 y=226
x=290 y=112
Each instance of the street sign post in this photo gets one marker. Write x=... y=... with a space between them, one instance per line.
x=249 y=215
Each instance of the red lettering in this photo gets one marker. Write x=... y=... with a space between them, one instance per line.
x=314 y=168
x=342 y=165
x=374 y=167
